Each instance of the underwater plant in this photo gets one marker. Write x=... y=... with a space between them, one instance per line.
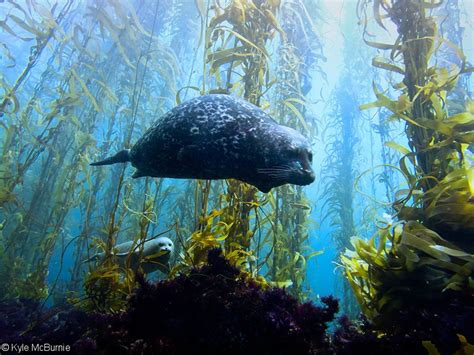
x=300 y=53
x=214 y=310
x=72 y=95
x=247 y=28
x=422 y=263
x=236 y=38
x=338 y=168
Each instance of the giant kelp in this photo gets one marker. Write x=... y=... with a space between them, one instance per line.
x=342 y=134
x=235 y=55
x=101 y=82
x=238 y=39
x=299 y=56
x=52 y=134
x=411 y=263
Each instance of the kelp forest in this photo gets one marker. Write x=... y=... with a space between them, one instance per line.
x=374 y=256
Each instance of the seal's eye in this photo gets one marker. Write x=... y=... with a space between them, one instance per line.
x=310 y=156
x=298 y=165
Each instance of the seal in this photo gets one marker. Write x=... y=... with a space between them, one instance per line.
x=151 y=255
x=220 y=136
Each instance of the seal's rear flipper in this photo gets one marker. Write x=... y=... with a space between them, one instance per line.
x=121 y=157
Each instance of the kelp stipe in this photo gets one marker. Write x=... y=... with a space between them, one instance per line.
x=343 y=138
x=240 y=27
x=300 y=54
x=249 y=29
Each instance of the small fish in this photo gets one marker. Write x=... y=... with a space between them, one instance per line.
x=301 y=206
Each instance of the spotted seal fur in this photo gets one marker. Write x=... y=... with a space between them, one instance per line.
x=219 y=137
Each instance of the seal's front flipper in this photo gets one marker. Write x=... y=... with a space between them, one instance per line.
x=121 y=157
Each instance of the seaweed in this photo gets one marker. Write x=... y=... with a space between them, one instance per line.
x=215 y=310
x=342 y=134
x=299 y=54
x=411 y=264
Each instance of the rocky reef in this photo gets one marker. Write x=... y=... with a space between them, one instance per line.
x=216 y=310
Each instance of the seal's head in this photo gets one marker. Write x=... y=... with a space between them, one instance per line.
x=162 y=246
x=291 y=165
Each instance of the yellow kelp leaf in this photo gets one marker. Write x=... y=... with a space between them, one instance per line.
x=10 y=100
x=313 y=254
x=398 y=147
x=225 y=54
x=466 y=347
x=384 y=46
x=437 y=104
x=470 y=106
x=281 y=284
x=428 y=345
x=201 y=8
x=45 y=12
x=416 y=242
x=274 y=21
x=114 y=33
x=380 y=62
x=374 y=104
x=127 y=4
x=298 y=115
x=236 y=60
x=460 y=118
x=376 y=10
x=3 y=24
x=27 y=27
x=470 y=180
x=298 y=101
x=403 y=103
x=86 y=90
x=245 y=40
x=108 y=91
x=441 y=265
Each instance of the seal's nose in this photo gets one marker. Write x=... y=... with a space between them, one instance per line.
x=310 y=175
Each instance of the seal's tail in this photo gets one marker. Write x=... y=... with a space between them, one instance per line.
x=121 y=157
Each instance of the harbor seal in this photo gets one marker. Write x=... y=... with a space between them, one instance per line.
x=153 y=255
x=220 y=136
